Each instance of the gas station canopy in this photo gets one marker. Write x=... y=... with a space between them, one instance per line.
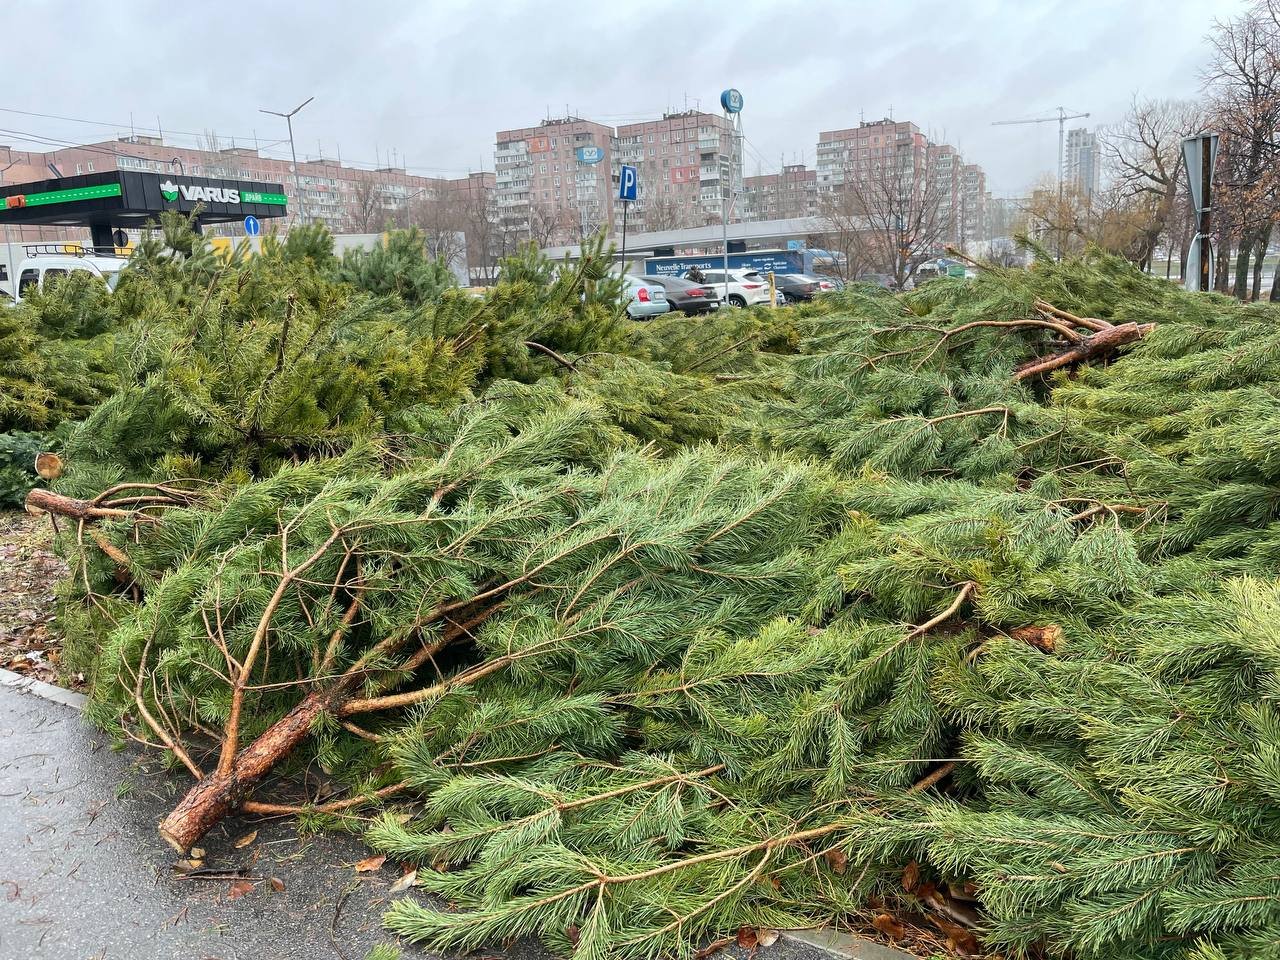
x=121 y=199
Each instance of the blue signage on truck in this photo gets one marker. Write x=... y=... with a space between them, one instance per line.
x=777 y=261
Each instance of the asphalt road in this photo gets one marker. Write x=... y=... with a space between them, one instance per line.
x=85 y=876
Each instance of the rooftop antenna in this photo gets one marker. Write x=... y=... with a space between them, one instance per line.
x=159 y=128
x=862 y=115
x=891 y=111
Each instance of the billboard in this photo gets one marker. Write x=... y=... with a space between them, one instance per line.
x=590 y=154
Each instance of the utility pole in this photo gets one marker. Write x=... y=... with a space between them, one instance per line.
x=1062 y=117
x=288 y=119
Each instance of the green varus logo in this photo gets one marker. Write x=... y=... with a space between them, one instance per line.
x=170 y=190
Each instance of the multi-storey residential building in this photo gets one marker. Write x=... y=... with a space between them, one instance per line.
x=1083 y=165
x=347 y=199
x=975 y=224
x=685 y=162
x=554 y=182
x=944 y=185
x=781 y=196
x=847 y=155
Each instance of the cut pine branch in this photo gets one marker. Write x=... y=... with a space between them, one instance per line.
x=1098 y=345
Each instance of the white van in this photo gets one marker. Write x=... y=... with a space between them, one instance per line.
x=38 y=263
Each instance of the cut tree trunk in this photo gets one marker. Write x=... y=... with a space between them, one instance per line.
x=214 y=796
x=1102 y=342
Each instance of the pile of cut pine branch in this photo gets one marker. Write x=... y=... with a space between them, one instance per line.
x=964 y=614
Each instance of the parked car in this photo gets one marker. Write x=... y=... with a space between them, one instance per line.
x=746 y=287
x=36 y=265
x=796 y=286
x=644 y=299
x=685 y=295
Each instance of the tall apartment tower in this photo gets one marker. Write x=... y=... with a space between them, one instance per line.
x=554 y=182
x=1083 y=165
x=681 y=160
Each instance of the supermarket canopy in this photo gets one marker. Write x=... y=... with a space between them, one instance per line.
x=121 y=199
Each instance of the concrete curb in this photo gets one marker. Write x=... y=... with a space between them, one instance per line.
x=45 y=691
x=845 y=945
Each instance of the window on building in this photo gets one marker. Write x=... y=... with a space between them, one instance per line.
x=542 y=168
x=91 y=166
x=651 y=138
x=653 y=152
x=553 y=142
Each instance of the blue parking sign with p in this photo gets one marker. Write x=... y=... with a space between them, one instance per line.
x=627 y=181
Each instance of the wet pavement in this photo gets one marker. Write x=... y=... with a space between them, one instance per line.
x=85 y=876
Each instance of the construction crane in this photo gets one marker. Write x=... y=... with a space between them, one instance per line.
x=1062 y=119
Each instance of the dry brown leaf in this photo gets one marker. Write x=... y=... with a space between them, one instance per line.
x=890 y=927
x=405 y=882
x=767 y=938
x=747 y=938
x=247 y=839
x=196 y=853
x=838 y=860
x=369 y=864
x=277 y=885
x=190 y=864
x=910 y=876
x=959 y=939
x=239 y=889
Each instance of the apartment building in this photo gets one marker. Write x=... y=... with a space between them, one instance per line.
x=856 y=152
x=781 y=196
x=685 y=162
x=975 y=221
x=554 y=182
x=1083 y=164
x=347 y=199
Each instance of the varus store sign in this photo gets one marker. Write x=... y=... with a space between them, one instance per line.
x=195 y=193
x=172 y=190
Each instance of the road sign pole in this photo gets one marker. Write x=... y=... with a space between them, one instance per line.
x=625 y=205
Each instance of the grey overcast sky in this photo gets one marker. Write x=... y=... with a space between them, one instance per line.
x=433 y=81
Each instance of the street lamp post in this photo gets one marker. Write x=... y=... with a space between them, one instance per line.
x=288 y=119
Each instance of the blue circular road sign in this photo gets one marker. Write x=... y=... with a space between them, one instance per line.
x=731 y=100
x=252 y=227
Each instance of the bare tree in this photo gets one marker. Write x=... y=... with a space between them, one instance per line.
x=441 y=217
x=844 y=223
x=897 y=217
x=1244 y=79
x=1143 y=154
x=664 y=212
x=365 y=209
x=544 y=223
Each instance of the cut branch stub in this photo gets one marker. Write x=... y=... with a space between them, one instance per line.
x=1097 y=345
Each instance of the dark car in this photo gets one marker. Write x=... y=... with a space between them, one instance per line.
x=685 y=295
x=796 y=286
